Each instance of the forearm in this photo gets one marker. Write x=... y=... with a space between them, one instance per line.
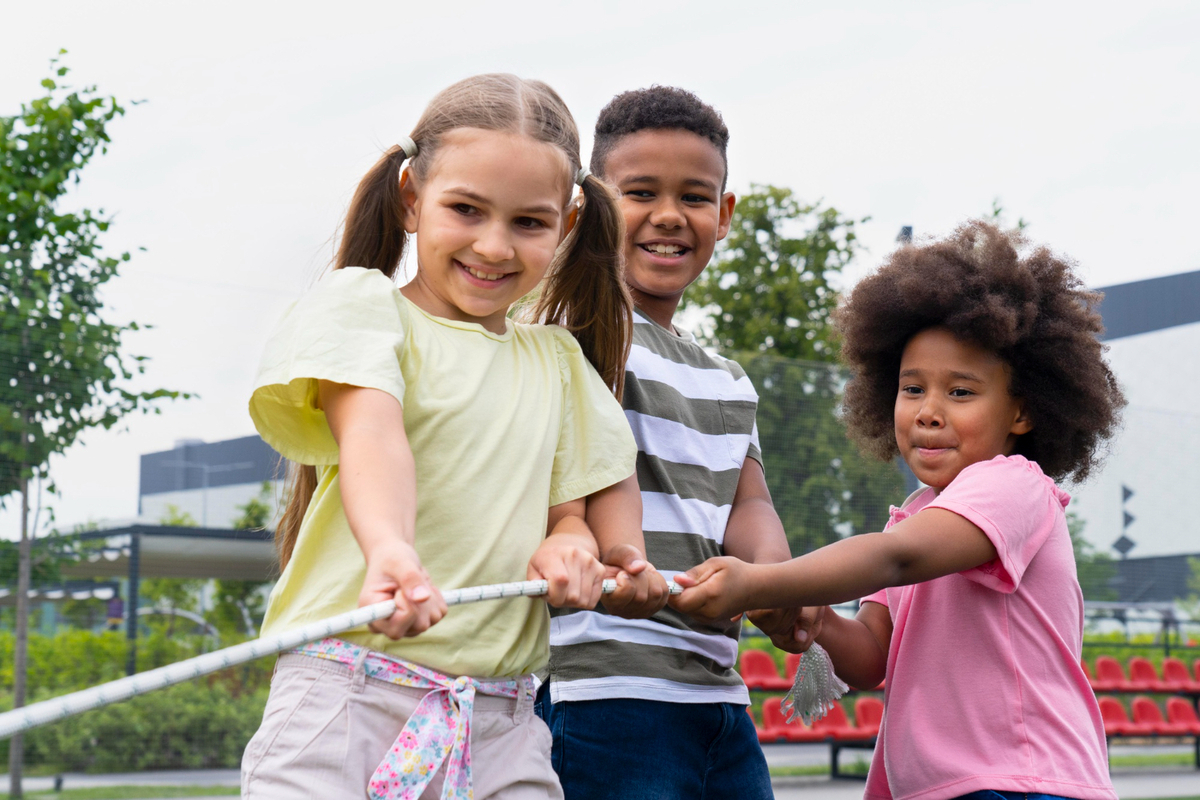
x=837 y=573
x=379 y=488
x=857 y=656
x=614 y=516
x=569 y=527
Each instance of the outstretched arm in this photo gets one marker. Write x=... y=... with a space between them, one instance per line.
x=379 y=492
x=927 y=545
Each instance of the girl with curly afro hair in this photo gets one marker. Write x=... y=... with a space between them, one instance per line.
x=983 y=370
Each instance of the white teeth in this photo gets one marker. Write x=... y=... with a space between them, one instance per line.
x=485 y=276
x=664 y=249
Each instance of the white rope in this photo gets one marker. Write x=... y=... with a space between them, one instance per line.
x=31 y=716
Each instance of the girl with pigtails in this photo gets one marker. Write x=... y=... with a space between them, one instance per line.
x=441 y=443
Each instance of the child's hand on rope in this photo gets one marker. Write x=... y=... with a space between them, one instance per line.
x=791 y=629
x=641 y=591
x=566 y=561
x=396 y=573
x=718 y=589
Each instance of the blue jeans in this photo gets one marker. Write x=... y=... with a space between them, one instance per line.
x=989 y=794
x=649 y=750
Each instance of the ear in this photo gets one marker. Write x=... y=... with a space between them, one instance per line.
x=572 y=218
x=728 y=201
x=1022 y=424
x=409 y=200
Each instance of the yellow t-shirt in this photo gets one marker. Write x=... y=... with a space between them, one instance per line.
x=502 y=426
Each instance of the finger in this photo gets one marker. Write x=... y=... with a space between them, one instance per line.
x=627 y=557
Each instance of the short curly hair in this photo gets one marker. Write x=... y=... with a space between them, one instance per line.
x=1032 y=311
x=657 y=108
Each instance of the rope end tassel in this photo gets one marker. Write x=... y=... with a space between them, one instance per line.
x=815 y=689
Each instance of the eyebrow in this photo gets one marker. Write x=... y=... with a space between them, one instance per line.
x=478 y=198
x=962 y=376
x=688 y=182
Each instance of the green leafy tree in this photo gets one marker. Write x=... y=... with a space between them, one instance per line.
x=1096 y=570
x=239 y=603
x=171 y=594
x=771 y=292
x=62 y=369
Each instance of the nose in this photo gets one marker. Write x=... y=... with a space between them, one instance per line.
x=930 y=413
x=667 y=215
x=494 y=243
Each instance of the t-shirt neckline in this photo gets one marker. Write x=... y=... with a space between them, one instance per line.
x=472 y=327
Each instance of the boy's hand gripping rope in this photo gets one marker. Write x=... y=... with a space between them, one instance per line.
x=811 y=696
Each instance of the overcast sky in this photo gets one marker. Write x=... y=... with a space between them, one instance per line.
x=260 y=118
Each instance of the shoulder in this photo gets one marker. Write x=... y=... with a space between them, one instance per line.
x=681 y=361
x=1006 y=477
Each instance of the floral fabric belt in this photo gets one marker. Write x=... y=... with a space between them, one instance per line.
x=439 y=730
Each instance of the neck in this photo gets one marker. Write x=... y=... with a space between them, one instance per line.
x=659 y=309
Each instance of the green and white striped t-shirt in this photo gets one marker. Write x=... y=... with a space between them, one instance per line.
x=693 y=417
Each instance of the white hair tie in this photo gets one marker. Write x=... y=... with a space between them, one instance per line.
x=408 y=146
x=581 y=176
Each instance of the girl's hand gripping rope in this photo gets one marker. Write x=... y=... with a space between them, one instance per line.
x=640 y=590
x=720 y=588
x=792 y=630
x=568 y=559
x=396 y=573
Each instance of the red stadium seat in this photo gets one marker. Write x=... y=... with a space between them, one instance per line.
x=1110 y=677
x=1116 y=721
x=1176 y=678
x=777 y=727
x=758 y=671
x=1147 y=714
x=1180 y=712
x=837 y=725
x=791 y=664
x=868 y=713
x=1196 y=669
x=1143 y=677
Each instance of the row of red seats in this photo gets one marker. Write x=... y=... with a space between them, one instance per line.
x=1148 y=719
x=758 y=671
x=868 y=713
x=1110 y=676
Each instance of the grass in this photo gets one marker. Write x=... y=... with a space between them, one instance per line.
x=132 y=793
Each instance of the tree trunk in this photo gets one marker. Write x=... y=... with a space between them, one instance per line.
x=16 y=745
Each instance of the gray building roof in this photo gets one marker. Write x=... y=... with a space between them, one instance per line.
x=191 y=464
x=1150 y=305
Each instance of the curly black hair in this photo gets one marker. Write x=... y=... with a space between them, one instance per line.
x=657 y=108
x=1032 y=311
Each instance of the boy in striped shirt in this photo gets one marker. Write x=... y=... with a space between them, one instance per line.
x=653 y=707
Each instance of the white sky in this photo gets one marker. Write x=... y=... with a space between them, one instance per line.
x=260 y=119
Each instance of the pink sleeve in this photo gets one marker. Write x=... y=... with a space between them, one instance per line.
x=1014 y=504
x=879 y=597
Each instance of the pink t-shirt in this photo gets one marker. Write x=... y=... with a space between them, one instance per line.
x=984 y=687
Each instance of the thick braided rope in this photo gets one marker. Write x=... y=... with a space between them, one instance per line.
x=31 y=716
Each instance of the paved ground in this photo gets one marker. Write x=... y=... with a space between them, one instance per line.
x=1130 y=784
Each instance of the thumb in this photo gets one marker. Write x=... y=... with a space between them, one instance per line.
x=626 y=557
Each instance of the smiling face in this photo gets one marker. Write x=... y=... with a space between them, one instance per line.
x=953 y=407
x=669 y=182
x=488 y=217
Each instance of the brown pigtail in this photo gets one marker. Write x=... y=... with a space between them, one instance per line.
x=585 y=289
x=374 y=235
x=302 y=482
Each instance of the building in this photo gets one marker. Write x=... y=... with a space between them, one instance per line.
x=208 y=481
x=1146 y=488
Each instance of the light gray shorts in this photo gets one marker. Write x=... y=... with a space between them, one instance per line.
x=328 y=726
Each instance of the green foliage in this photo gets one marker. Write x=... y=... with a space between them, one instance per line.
x=61 y=366
x=256 y=512
x=1096 y=570
x=822 y=487
x=771 y=289
x=198 y=725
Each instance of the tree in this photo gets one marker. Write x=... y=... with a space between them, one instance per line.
x=771 y=292
x=62 y=369
x=239 y=603
x=1094 y=569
